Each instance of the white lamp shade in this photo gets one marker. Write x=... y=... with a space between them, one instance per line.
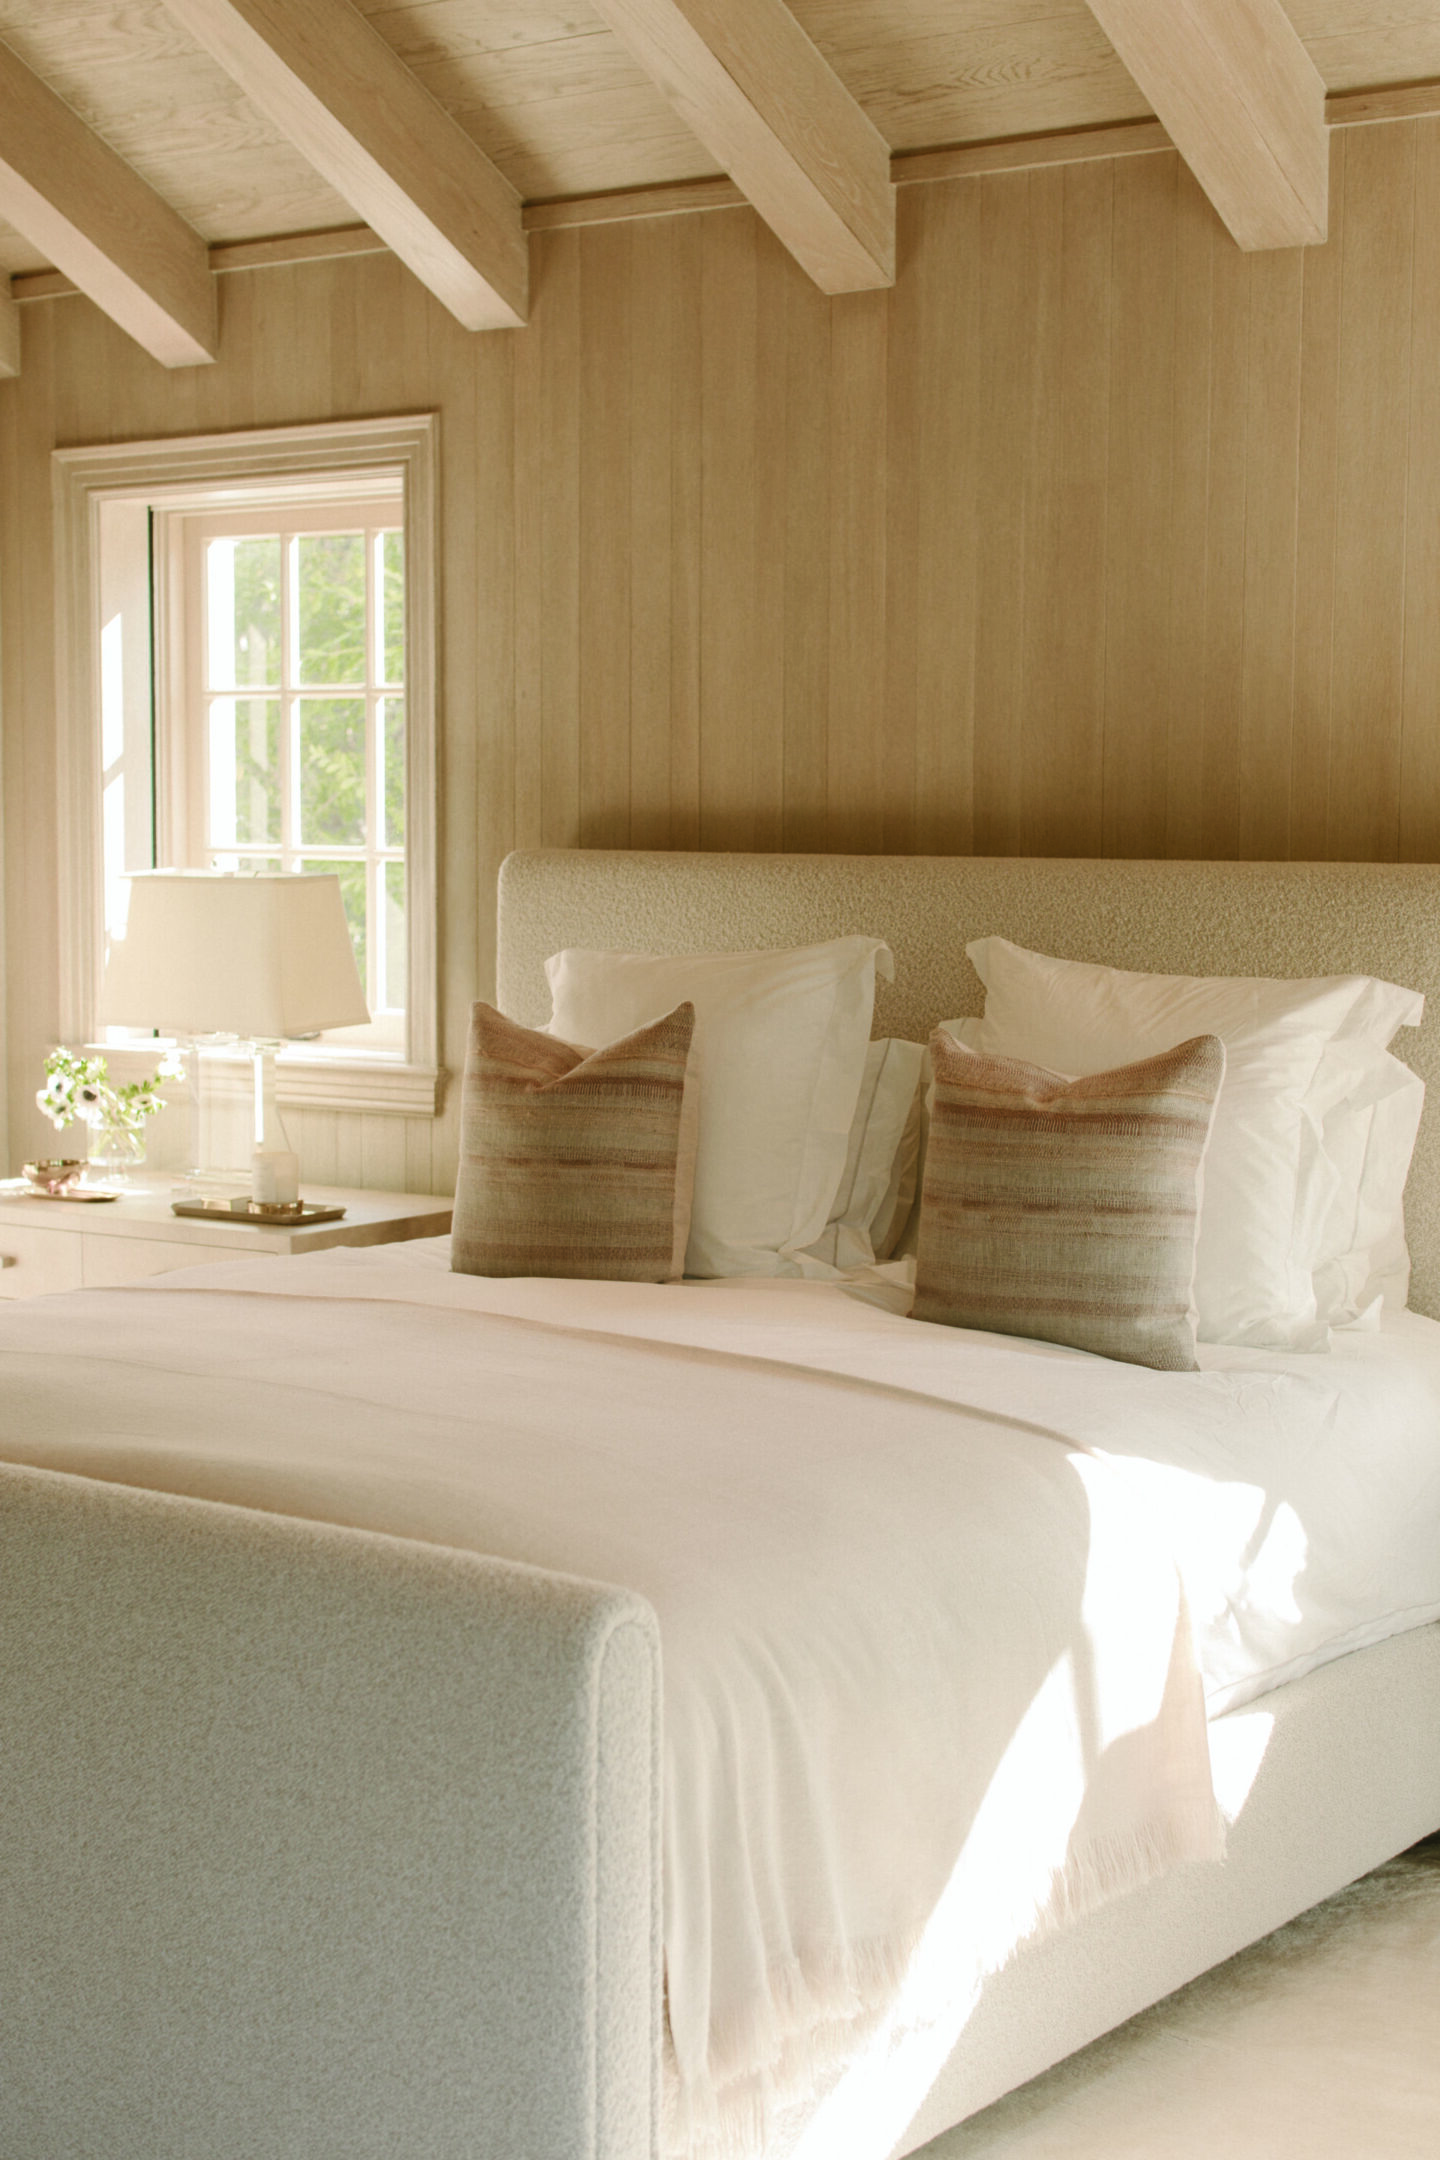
x=209 y=952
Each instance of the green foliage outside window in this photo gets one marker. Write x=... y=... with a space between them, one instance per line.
x=331 y=607
x=330 y=629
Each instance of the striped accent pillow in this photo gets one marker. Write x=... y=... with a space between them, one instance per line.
x=575 y=1162
x=1068 y=1209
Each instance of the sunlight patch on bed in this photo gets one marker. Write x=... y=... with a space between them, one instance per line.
x=1238 y=1744
x=1031 y=1806
x=1279 y=1562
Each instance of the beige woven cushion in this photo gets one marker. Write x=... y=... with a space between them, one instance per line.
x=1067 y=1209
x=575 y=1162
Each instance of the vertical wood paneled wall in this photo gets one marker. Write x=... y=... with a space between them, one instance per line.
x=1094 y=536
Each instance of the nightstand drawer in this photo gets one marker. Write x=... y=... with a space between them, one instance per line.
x=108 y=1263
x=34 y=1261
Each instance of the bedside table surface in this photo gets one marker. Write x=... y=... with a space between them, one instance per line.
x=63 y=1244
x=146 y=1213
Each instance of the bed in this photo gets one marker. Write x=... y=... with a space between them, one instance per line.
x=417 y=1905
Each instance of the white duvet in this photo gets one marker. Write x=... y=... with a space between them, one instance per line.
x=929 y=1676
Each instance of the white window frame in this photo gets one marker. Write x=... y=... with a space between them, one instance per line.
x=281 y=464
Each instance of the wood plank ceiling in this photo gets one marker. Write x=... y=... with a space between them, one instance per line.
x=561 y=99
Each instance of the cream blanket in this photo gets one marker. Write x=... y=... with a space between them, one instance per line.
x=928 y=1676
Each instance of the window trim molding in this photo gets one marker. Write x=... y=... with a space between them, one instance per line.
x=168 y=469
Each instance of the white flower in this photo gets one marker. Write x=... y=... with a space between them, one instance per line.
x=56 y=1099
x=90 y=1103
x=171 y=1066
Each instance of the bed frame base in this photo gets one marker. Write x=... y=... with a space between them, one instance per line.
x=1349 y=1776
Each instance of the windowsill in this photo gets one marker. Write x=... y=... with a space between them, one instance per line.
x=315 y=1079
x=342 y=1080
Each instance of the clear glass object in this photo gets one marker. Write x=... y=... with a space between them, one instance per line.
x=116 y=1153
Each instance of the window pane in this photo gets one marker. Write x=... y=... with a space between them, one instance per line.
x=243 y=611
x=330 y=615
x=332 y=772
x=244 y=771
x=393 y=989
x=393 y=582
x=392 y=725
x=352 y=892
x=248 y=864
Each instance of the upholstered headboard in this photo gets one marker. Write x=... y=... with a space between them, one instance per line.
x=1220 y=918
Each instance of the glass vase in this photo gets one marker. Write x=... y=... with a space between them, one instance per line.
x=116 y=1153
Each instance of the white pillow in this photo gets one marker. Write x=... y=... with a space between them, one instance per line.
x=1271 y=1193
x=779 y=1051
x=877 y=1185
x=1368 y=1136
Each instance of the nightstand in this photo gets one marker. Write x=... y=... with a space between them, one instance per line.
x=66 y=1245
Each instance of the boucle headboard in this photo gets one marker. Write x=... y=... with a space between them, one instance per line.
x=1221 y=918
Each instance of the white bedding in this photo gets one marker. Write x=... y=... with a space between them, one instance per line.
x=928 y=1672
x=1300 y=1493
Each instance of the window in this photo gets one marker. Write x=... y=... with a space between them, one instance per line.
x=293 y=713
x=256 y=614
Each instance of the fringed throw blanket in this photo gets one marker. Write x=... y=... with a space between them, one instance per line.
x=928 y=1677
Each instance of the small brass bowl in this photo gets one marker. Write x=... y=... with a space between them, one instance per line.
x=55 y=1173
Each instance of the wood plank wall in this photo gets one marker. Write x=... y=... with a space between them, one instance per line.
x=1094 y=537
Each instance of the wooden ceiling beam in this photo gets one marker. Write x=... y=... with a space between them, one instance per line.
x=99 y=222
x=333 y=86
x=1243 y=103
x=958 y=161
x=747 y=80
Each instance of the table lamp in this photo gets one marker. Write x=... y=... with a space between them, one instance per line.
x=260 y=959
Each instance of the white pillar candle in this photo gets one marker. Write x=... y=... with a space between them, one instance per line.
x=275 y=1177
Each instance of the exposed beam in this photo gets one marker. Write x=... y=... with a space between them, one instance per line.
x=282 y=250
x=679 y=198
x=1242 y=102
x=1027 y=153
x=747 y=80
x=9 y=331
x=908 y=168
x=333 y=86
x=1396 y=101
x=99 y=222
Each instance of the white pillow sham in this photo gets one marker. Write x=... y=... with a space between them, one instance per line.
x=1273 y=1198
x=877 y=1186
x=1370 y=1119
x=779 y=1053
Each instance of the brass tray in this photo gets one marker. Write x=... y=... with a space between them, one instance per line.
x=72 y=1193
x=258 y=1213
